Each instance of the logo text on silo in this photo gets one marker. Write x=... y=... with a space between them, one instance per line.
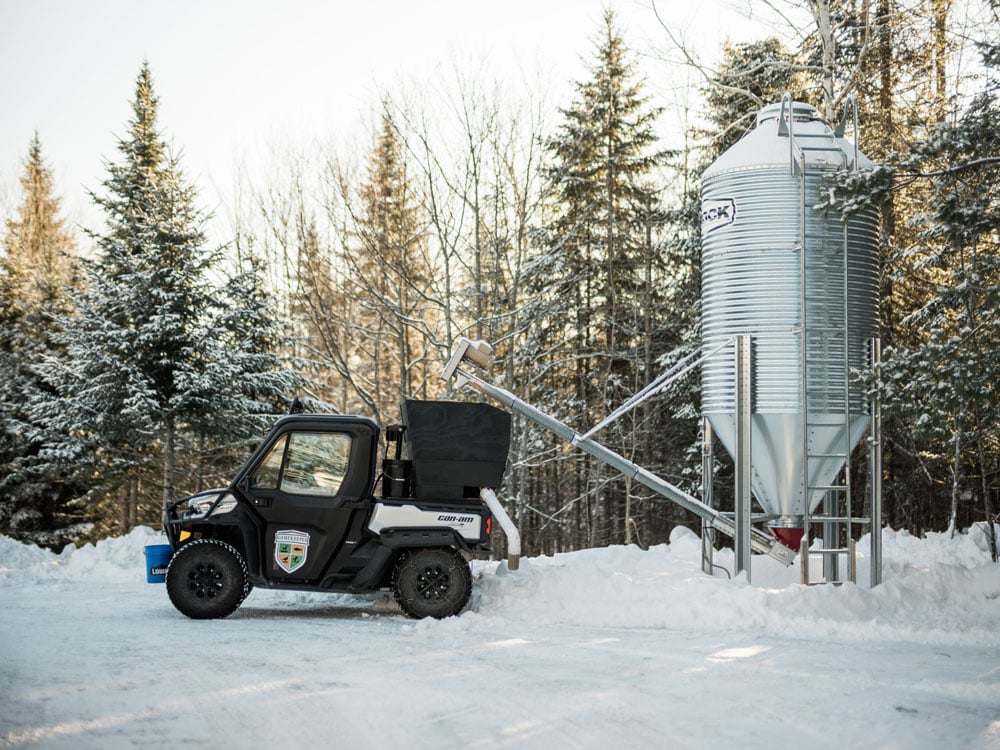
x=717 y=213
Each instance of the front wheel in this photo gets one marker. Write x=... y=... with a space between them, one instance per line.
x=432 y=583
x=207 y=579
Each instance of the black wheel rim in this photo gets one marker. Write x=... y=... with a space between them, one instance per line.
x=433 y=582
x=206 y=581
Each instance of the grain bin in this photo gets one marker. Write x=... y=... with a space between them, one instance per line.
x=804 y=285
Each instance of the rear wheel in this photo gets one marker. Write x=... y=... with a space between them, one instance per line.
x=207 y=579
x=432 y=583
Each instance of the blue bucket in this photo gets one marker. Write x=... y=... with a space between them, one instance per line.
x=157 y=559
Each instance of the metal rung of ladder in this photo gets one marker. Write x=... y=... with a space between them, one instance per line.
x=829 y=487
x=799 y=137
x=838 y=519
x=827 y=455
x=850 y=551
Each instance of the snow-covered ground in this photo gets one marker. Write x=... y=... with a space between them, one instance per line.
x=595 y=649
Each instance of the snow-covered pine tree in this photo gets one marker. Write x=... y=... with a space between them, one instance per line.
x=946 y=385
x=936 y=189
x=325 y=312
x=159 y=354
x=246 y=383
x=590 y=278
x=389 y=275
x=750 y=76
x=38 y=267
x=391 y=232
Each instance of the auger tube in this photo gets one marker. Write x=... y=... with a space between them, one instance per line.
x=759 y=541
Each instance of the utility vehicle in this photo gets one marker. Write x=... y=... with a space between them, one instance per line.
x=303 y=512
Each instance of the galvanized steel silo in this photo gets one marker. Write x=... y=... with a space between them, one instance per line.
x=801 y=284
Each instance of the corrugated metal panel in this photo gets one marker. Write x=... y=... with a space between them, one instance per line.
x=751 y=271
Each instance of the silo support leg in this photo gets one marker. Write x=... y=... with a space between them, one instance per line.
x=853 y=560
x=707 y=546
x=875 y=465
x=831 y=539
x=804 y=559
x=743 y=455
x=707 y=482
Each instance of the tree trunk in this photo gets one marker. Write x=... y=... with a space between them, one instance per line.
x=130 y=509
x=940 y=63
x=828 y=46
x=169 y=439
x=956 y=476
x=991 y=516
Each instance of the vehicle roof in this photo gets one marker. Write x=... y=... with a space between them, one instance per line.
x=324 y=419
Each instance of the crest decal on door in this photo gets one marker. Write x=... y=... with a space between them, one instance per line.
x=290 y=549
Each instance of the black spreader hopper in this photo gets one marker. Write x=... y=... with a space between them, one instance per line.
x=456 y=448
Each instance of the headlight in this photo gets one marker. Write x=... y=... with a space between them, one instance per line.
x=226 y=503
x=211 y=504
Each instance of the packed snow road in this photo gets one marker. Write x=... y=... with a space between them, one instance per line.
x=602 y=648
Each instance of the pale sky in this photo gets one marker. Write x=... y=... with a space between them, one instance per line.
x=236 y=77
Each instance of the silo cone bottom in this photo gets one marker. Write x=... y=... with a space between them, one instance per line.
x=790 y=536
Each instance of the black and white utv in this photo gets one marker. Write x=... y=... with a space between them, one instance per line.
x=303 y=512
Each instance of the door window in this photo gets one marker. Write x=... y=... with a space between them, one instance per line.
x=305 y=463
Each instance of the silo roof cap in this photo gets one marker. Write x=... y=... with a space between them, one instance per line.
x=800 y=111
x=767 y=145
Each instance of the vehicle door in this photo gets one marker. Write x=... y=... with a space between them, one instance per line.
x=311 y=488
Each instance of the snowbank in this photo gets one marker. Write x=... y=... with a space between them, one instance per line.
x=118 y=559
x=935 y=590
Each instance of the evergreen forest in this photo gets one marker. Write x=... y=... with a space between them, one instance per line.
x=141 y=361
